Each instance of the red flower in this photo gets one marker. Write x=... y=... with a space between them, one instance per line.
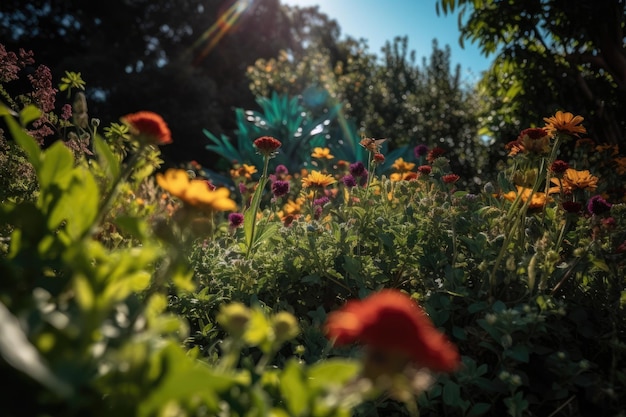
x=391 y=321
x=379 y=158
x=450 y=178
x=148 y=127
x=267 y=145
x=435 y=153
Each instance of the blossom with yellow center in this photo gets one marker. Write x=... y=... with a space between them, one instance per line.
x=321 y=153
x=402 y=166
x=317 y=179
x=195 y=192
x=573 y=179
x=538 y=199
x=564 y=122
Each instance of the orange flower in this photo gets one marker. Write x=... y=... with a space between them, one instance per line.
x=391 y=321
x=564 y=122
x=573 y=179
x=149 y=127
x=402 y=166
x=538 y=199
x=321 y=153
x=194 y=192
x=317 y=179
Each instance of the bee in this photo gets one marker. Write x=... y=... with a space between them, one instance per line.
x=372 y=145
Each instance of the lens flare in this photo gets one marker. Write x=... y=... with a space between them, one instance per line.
x=225 y=23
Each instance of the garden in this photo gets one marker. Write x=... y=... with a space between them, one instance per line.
x=312 y=272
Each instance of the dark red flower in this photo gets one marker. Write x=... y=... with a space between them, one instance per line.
x=435 y=153
x=267 y=145
x=559 y=166
x=450 y=178
x=391 y=321
x=379 y=158
x=149 y=127
x=424 y=169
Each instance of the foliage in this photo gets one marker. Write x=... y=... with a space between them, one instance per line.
x=549 y=53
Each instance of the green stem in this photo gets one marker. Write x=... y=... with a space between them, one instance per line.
x=254 y=206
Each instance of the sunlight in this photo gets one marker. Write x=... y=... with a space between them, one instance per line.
x=224 y=23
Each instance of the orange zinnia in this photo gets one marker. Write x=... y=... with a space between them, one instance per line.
x=321 y=153
x=194 y=192
x=391 y=321
x=149 y=127
x=564 y=122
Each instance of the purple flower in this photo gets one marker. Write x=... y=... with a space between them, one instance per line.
x=598 y=205
x=321 y=201
x=349 y=181
x=420 y=150
x=357 y=169
x=281 y=170
x=235 y=219
x=280 y=188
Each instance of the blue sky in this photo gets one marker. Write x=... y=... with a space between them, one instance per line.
x=379 y=21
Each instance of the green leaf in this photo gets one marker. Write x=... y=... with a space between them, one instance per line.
x=451 y=394
x=518 y=352
x=106 y=158
x=332 y=372
x=479 y=409
x=29 y=114
x=294 y=389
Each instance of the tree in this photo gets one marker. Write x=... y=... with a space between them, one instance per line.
x=551 y=55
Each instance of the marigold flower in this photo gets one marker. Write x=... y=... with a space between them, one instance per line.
x=267 y=145
x=149 y=127
x=538 y=199
x=321 y=153
x=391 y=321
x=564 y=122
x=535 y=140
x=195 y=192
x=317 y=179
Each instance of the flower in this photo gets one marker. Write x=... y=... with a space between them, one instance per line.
x=280 y=188
x=598 y=205
x=357 y=169
x=379 y=158
x=235 y=220
x=435 y=153
x=267 y=145
x=559 y=166
x=573 y=207
x=349 y=181
x=149 y=127
x=564 y=122
x=573 y=179
x=391 y=321
x=420 y=150
x=321 y=153
x=535 y=140
x=402 y=166
x=538 y=199
x=195 y=192
x=450 y=178
x=424 y=169
x=317 y=179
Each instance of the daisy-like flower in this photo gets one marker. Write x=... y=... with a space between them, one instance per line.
x=267 y=145
x=392 y=323
x=148 y=127
x=195 y=192
x=401 y=165
x=317 y=179
x=321 y=153
x=450 y=178
x=564 y=122
x=573 y=179
x=538 y=199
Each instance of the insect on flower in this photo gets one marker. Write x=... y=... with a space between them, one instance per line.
x=372 y=145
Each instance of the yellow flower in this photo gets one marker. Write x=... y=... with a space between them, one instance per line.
x=402 y=166
x=538 y=200
x=195 y=192
x=583 y=180
x=293 y=207
x=243 y=171
x=321 y=153
x=317 y=179
x=564 y=122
